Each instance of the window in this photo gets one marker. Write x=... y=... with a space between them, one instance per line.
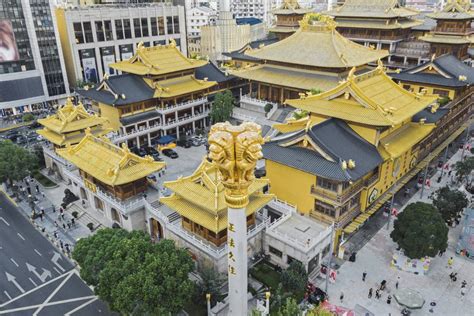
x=154 y=27
x=127 y=28
x=161 y=25
x=137 y=28
x=327 y=184
x=119 y=29
x=79 y=35
x=169 y=24
x=290 y=259
x=108 y=30
x=275 y=251
x=406 y=87
x=176 y=24
x=325 y=208
x=88 y=32
x=99 y=31
x=144 y=27
x=441 y=92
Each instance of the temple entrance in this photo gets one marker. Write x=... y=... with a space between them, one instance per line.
x=83 y=194
x=156 y=230
x=115 y=215
x=55 y=171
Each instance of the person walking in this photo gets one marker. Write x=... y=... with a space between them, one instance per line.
x=68 y=225
x=397 y=283
x=62 y=216
x=364 y=274
x=450 y=262
x=64 y=226
x=377 y=294
x=389 y=299
x=53 y=208
x=341 y=297
x=370 y=293
x=73 y=222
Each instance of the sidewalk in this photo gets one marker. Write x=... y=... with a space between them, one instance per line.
x=374 y=259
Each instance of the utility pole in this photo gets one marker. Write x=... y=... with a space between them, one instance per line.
x=444 y=160
x=424 y=176
x=331 y=249
x=396 y=170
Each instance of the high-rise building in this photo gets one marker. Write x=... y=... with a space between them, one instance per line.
x=95 y=36
x=252 y=8
x=32 y=72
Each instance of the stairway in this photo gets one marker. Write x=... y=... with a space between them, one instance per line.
x=83 y=217
x=174 y=217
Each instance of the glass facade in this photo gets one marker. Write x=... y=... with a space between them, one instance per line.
x=44 y=28
x=12 y=11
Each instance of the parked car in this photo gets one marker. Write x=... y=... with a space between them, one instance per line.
x=139 y=151
x=154 y=153
x=195 y=142
x=170 y=153
x=184 y=142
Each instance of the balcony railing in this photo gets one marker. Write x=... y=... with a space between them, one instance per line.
x=51 y=153
x=179 y=106
x=331 y=195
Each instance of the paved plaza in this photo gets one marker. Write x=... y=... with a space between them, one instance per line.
x=374 y=259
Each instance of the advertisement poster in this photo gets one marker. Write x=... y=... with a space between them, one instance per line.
x=108 y=57
x=8 y=48
x=89 y=66
x=126 y=52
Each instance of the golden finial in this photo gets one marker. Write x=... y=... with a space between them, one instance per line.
x=351 y=164
x=88 y=132
x=140 y=46
x=462 y=78
x=433 y=57
x=106 y=76
x=380 y=65
x=422 y=121
x=172 y=42
x=344 y=165
x=434 y=108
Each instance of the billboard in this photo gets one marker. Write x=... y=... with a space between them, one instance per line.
x=108 y=57
x=89 y=66
x=8 y=48
x=126 y=51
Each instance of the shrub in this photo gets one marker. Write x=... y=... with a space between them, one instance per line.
x=74 y=214
x=268 y=107
x=90 y=226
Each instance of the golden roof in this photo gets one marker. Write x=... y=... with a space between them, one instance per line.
x=446 y=39
x=379 y=24
x=200 y=197
x=294 y=78
x=404 y=138
x=371 y=98
x=157 y=60
x=71 y=138
x=372 y=9
x=318 y=44
x=70 y=118
x=107 y=162
x=178 y=86
x=454 y=10
x=283 y=29
x=289 y=7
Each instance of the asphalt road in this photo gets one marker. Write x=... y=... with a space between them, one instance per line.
x=35 y=279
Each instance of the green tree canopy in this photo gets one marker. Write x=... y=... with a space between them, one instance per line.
x=420 y=231
x=295 y=277
x=268 y=107
x=290 y=308
x=133 y=275
x=212 y=283
x=449 y=202
x=15 y=162
x=315 y=91
x=464 y=168
x=221 y=109
x=28 y=117
x=299 y=114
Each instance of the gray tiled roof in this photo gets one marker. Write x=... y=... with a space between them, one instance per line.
x=212 y=73
x=447 y=63
x=337 y=140
x=132 y=86
x=429 y=116
x=140 y=117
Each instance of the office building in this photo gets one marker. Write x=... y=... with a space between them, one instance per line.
x=31 y=63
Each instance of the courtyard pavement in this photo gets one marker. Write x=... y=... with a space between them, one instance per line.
x=374 y=259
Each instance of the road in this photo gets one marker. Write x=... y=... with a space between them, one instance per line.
x=35 y=279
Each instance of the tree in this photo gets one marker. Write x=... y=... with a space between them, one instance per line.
x=133 y=275
x=299 y=114
x=268 y=107
x=464 y=168
x=28 y=117
x=212 y=283
x=315 y=91
x=449 y=202
x=15 y=162
x=290 y=308
x=295 y=277
x=420 y=231
x=319 y=311
x=221 y=109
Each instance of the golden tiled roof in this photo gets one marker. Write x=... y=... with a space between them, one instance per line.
x=157 y=60
x=293 y=77
x=292 y=125
x=178 y=86
x=107 y=162
x=200 y=197
x=318 y=44
x=454 y=10
x=283 y=29
x=371 y=98
x=70 y=118
x=372 y=9
x=71 y=138
x=446 y=39
x=404 y=138
x=289 y=7
x=379 y=24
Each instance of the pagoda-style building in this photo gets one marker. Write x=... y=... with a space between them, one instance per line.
x=383 y=24
x=67 y=126
x=359 y=142
x=287 y=17
x=315 y=58
x=110 y=178
x=453 y=33
x=158 y=94
x=199 y=199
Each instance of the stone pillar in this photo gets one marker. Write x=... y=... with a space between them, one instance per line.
x=405 y=60
x=138 y=142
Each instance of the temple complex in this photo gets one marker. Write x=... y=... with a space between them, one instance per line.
x=109 y=178
x=358 y=142
x=315 y=58
x=453 y=33
x=288 y=16
x=158 y=94
x=383 y=24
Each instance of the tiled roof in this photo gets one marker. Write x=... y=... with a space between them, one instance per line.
x=430 y=116
x=372 y=9
x=337 y=141
x=212 y=73
x=139 y=117
x=454 y=10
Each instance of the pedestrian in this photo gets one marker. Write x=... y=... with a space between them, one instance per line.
x=397 y=283
x=42 y=211
x=389 y=299
x=377 y=294
x=53 y=208
x=61 y=210
x=68 y=225
x=364 y=274
x=42 y=194
x=449 y=172
x=41 y=216
x=28 y=189
x=67 y=248
x=73 y=222
x=62 y=216
x=407 y=192
x=64 y=226
x=370 y=293
x=55 y=234
x=37 y=189
x=56 y=224
x=341 y=297
x=61 y=244
x=463 y=291
x=464 y=283
x=450 y=262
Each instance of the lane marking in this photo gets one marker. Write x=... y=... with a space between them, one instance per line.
x=8 y=295
x=81 y=306
x=48 y=304
x=33 y=282
x=12 y=279
x=56 y=290
x=39 y=253
x=57 y=270
x=55 y=259
x=19 y=235
x=14 y=262
x=5 y=221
